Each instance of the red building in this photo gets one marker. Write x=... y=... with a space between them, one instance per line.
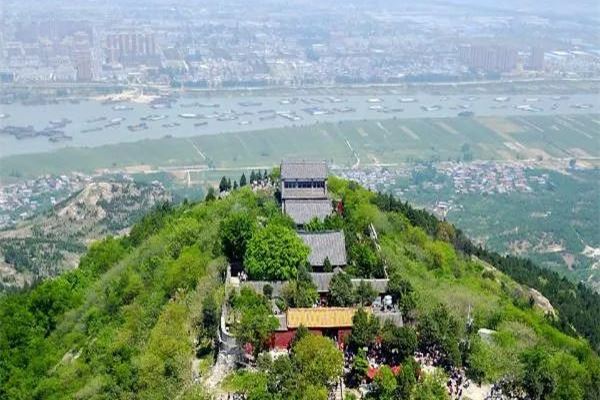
x=334 y=322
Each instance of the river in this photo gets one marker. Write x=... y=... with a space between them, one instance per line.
x=260 y=112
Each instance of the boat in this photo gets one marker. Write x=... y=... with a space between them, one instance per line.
x=171 y=125
x=159 y=106
x=60 y=123
x=209 y=105
x=189 y=115
x=154 y=117
x=138 y=127
x=502 y=99
x=122 y=108
x=4 y=116
x=60 y=138
x=466 y=114
x=406 y=100
x=94 y=120
x=201 y=123
x=90 y=130
x=243 y=123
x=374 y=100
x=431 y=108
x=250 y=103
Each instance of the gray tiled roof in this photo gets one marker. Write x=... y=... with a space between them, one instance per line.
x=323 y=279
x=303 y=211
x=394 y=316
x=323 y=245
x=303 y=193
x=303 y=170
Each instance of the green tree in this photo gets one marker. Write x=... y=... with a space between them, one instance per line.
x=223 y=185
x=341 y=291
x=319 y=360
x=210 y=195
x=538 y=379
x=210 y=316
x=360 y=367
x=236 y=231
x=407 y=378
x=440 y=330
x=300 y=293
x=364 y=293
x=255 y=321
x=432 y=387
x=402 y=293
x=243 y=180
x=275 y=253
x=384 y=384
x=364 y=329
x=398 y=343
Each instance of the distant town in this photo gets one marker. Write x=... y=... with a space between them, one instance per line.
x=241 y=45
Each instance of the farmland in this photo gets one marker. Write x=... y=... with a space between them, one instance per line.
x=344 y=144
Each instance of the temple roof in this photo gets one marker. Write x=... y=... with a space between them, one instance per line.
x=303 y=211
x=321 y=317
x=315 y=170
x=323 y=245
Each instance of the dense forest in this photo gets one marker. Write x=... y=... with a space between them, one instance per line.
x=136 y=320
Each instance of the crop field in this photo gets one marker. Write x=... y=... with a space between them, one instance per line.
x=345 y=144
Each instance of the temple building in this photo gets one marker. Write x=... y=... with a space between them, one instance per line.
x=304 y=191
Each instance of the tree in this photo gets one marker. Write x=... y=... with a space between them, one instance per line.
x=210 y=316
x=366 y=260
x=327 y=267
x=439 y=330
x=252 y=177
x=268 y=291
x=432 y=387
x=319 y=361
x=300 y=293
x=243 y=180
x=360 y=367
x=255 y=322
x=341 y=291
x=407 y=378
x=235 y=185
x=538 y=379
x=301 y=332
x=402 y=293
x=275 y=253
x=223 y=185
x=364 y=329
x=364 y=293
x=236 y=231
x=384 y=384
x=210 y=195
x=398 y=343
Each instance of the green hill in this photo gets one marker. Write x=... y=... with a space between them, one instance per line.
x=130 y=322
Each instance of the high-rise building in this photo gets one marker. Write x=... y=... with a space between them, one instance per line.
x=130 y=47
x=82 y=56
x=488 y=58
x=536 y=59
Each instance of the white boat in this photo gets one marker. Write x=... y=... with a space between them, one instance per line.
x=407 y=100
x=188 y=115
x=374 y=100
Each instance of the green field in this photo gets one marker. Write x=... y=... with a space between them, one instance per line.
x=385 y=141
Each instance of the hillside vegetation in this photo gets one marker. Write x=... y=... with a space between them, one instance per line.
x=52 y=242
x=130 y=322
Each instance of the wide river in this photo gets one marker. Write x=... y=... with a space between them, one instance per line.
x=89 y=119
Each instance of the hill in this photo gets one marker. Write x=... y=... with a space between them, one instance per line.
x=132 y=321
x=52 y=242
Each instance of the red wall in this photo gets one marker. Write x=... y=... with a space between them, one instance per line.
x=282 y=340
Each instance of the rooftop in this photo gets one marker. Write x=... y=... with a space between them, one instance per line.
x=330 y=317
x=324 y=245
x=303 y=170
x=303 y=211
